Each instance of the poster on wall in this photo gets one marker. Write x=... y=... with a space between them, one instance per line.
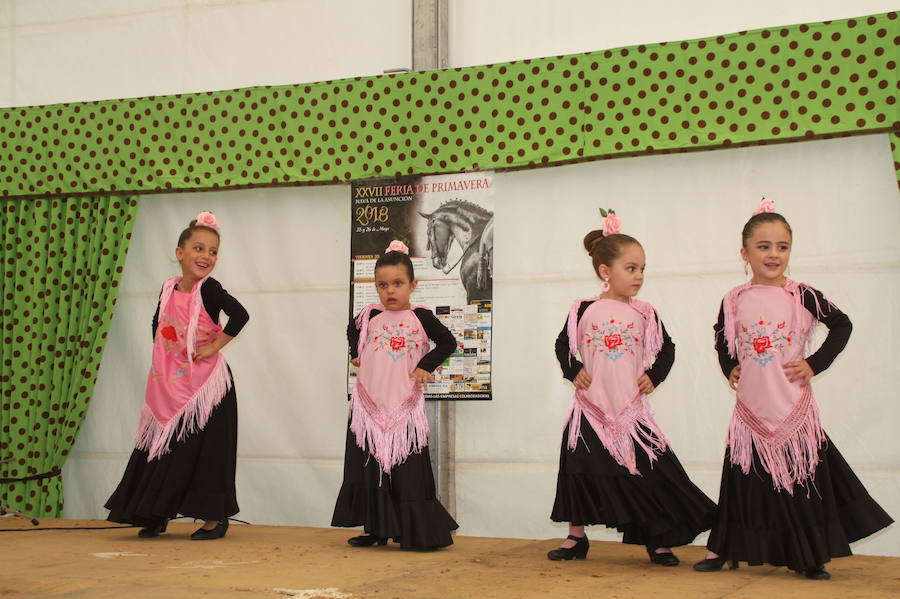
x=448 y=223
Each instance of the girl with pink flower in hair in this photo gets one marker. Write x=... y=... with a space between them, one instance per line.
x=616 y=467
x=388 y=486
x=787 y=497
x=186 y=444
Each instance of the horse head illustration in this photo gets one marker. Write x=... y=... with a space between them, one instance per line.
x=464 y=223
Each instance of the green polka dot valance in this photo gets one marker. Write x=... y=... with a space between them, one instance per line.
x=762 y=86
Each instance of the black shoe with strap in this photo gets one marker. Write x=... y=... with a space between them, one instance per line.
x=148 y=532
x=714 y=564
x=578 y=551
x=367 y=541
x=817 y=573
x=202 y=534
x=663 y=559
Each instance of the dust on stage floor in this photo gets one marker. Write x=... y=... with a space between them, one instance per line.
x=317 y=563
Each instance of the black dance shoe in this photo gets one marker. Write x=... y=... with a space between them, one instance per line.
x=662 y=559
x=817 y=573
x=148 y=532
x=366 y=541
x=579 y=551
x=207 y=535
x=714 y=564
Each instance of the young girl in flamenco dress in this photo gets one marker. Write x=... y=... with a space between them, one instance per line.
x=616 y=467
x=787 y=496
x=388 y=486
x=186 y=444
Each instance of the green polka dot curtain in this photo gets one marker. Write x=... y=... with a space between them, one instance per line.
x=763 y=86
x=61 y=261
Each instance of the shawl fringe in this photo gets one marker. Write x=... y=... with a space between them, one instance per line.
x=390 y=438
x=634 y=425
x=790 y=454
x=155 y=438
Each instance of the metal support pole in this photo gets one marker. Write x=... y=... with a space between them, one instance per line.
x=429 y=51
x=429 y=34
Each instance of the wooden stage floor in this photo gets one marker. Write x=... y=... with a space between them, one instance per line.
x=317 y=563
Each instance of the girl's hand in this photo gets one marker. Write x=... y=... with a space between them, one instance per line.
x=205 y=351
x=582 y=380
x=799 y=371
x=734 y=377
x=645 y=385
x=213 y=347
x=422 y=377
x=355 y=362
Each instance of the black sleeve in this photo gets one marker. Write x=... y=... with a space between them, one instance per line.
x=569 y=364
x=664 y=359
x=445 y=342
x=839 y=329
x=726 y=362
x=353 y=334
x=155 y=324
x=216 y=299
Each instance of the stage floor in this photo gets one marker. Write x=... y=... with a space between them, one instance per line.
x=282 y=561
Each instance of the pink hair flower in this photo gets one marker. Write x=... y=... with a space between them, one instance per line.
x=764 y=206
x=207 y=219
x=397 y=246
x=611 y=224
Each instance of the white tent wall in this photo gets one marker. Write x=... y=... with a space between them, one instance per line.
x=285 y=251
x=285 y=255
x=503 y=30
x=77 y=50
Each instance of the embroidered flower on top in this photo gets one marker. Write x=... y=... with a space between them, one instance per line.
x=613 y=338
x=396 y=339
x=173 y=334
x=763 y=340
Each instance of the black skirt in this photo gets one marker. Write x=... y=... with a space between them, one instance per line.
x=194 y=479
x=401 y=505
x=661 y=507
x=760 y=525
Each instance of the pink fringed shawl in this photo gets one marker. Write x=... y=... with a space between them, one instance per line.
x=181 y=393
x=617 y=343
x=765 y=328
x=387 y=408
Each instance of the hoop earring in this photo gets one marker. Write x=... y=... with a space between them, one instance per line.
x=605 y=285
x=745 y=270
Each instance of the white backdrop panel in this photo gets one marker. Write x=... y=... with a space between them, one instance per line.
x=284 y=255
x=501 y=30
x=78 y=50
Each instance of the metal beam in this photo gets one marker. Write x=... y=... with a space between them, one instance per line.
x=429 y=34
x=429 y=51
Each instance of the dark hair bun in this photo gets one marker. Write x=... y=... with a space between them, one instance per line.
x=592 y=239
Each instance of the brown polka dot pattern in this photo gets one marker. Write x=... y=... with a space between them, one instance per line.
x=61 y=261
x=895 y=151
x=778 y=84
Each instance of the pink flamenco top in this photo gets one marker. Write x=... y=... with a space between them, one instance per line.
x=764 y=328
x=617 y=342
x=181 y=392
x=387 y=407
